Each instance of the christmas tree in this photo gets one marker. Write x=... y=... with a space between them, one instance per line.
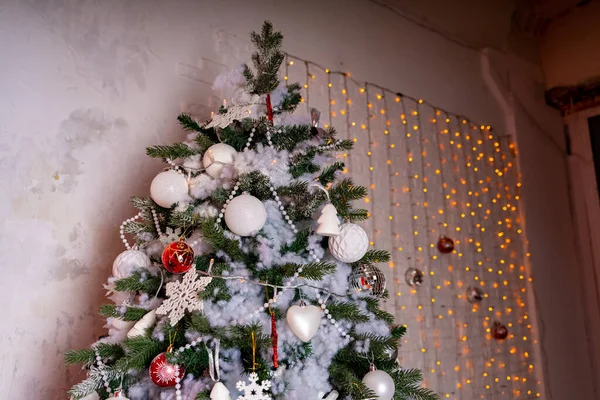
x=231 y=290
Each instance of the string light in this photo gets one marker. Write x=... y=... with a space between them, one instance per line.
x=474 y=186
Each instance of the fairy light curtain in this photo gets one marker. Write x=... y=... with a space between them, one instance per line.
x=432 y=173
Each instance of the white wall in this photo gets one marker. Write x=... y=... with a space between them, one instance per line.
x=87 y=85
x=569 y=47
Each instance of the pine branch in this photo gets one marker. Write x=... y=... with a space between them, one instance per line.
x=290 y=136
x=215 y=236
x=291 y=99
x=139 y=351
x=83 y=356
x=130 y=314
x=373 y=307
x=299 y=244
x=373 y=256
x=139 y=281
x=407 y=383
x=203 y=142
x=357 y=215
x=346 y=311
x=188 y=123
x=328 y=173
x=172 y=152
x=266 y=60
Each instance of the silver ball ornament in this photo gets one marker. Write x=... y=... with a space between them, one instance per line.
x=245 y=215
x=368 y=278
x=128 y=261
x=381 y=383
x=350 y=245
x=414 y=277
x=474 y=294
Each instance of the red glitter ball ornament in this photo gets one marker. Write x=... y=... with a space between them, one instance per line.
x=178 y=257
x=445 y=245
x=163 y=373
x=499 y=331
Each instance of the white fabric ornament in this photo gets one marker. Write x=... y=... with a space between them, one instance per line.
x=380 y=383
x=219 y=392
x=304 y=320
x=350 y=245
x=169 y=187
x=254 y=391
x=183 y=296
x=121 y=325
x=216 y=156
x=140 y=327
x=332 y=396
x=128 y=261
x=245 y=215
x=329 y=223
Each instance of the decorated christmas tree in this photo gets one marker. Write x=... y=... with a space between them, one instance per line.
x=229 y=287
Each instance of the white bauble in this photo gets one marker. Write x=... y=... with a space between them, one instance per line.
x=169 y=187
x=381 y=383
x=91 y=396
x=128 y=261
x=219 y=392
x=216 y=156
x=140 y=327
x=245 y=214
x=350 y=245
x=304 y=321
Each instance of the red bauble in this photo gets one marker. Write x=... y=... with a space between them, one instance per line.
x=499 y=331
x=163 y=373
x=178 y=257
x=445 y=245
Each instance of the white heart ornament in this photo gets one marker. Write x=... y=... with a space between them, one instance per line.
x=304 y=321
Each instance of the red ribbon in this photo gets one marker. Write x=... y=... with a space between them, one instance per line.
x=269 y=108
x=274 y=341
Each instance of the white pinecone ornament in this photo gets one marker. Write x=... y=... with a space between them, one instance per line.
x=350 y=245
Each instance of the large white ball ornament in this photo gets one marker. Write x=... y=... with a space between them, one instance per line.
x=381 y=383
x=128 y=261
x=245 y=215
x=169 y=187
x=350 y=245
x=216 y=156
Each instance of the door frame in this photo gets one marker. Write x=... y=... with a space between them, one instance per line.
x=585 y=204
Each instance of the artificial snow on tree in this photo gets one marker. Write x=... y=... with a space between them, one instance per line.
x=243 y=283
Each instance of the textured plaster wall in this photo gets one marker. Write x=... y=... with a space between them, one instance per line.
x=87 y=85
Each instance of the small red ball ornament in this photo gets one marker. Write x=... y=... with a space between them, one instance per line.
x=499 y=331
x=163 y=373
x=445 y=245
x=178 y=257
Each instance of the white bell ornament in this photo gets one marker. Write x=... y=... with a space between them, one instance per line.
x=216 y=156
x=245 y=215
x=328 y=222
x=169 y=187
x=304 y=320
x=128 y=261
x=381 y=383
x=141 y=326
x=333 y=395
x=219 y=392
x=350 y=245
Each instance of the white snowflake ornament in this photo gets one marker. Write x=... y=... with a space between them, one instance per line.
x=170 y=236
x=254 y=391
x=236 y=112
x=183 y=295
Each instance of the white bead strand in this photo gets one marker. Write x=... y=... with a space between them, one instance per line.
x=156 y=223
x=122 y=229
x=102 y=371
